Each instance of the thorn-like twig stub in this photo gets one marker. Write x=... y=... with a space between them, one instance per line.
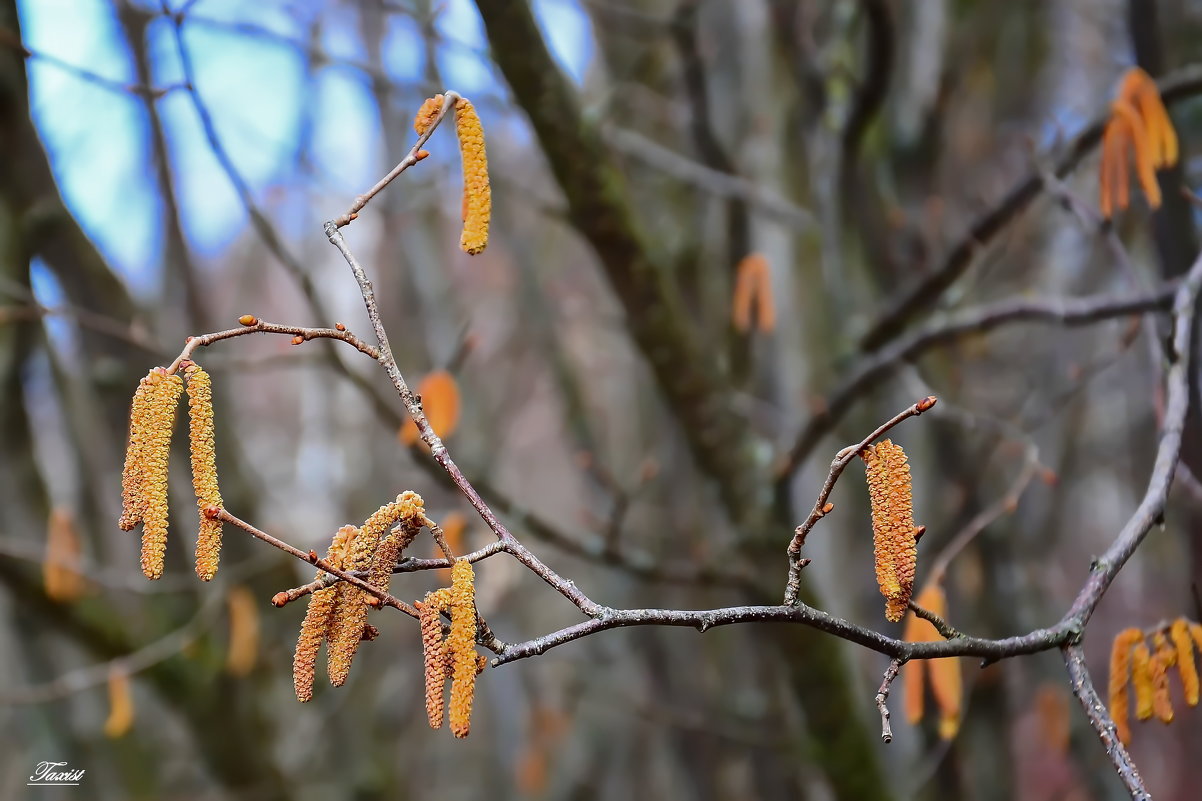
x=248 y=319
x=925 y=404
x=279 y=599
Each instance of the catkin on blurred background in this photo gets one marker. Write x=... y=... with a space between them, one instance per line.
x=699 y=209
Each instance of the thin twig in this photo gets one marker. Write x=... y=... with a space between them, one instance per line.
x=882 y=696
x=312 y=558
x=263 y=327
x=1103 y=724
x=449 y=99
x=942 y=626
x=879 y=364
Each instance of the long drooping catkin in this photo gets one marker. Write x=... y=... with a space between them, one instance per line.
x=1162 y=705
x=894 y=533
x=204 y=469
x=155 y=454
x=1141 y=679
x=133 y=504
x=1186 y=666
x=315 y=628
x=461 y=645
x=350 y=607
x=434 y=653
x=477 y=195
x=1120 y=677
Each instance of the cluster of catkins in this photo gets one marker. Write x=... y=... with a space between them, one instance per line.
x=144 y=478
x=337 y=614
x=1134 y=664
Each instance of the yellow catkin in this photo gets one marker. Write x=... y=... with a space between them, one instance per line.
x=1186 y=666
x=477 y=196
x=350 y=604
x=60 y=568
x=244 y=631
x=1120 y=678
x=1162 y=705
x=160 y=422
x=316 y=625
x=427 y=113
x=461 y=645
x=1141 y=679
x=132 y=502
x=918 y=630
x=204 y=469
x=1164 y=649
x=434 y=653
x=1195 y=630
x=121 y=705
x=894 y=542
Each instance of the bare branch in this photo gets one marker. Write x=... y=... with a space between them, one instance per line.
x=875 y=366
x=312 y=558
x=1103 y=724
x=882 y=696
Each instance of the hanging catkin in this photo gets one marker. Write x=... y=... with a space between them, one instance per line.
x=461 y=645
x=154 y=456
x=894 y=534
x=204 y=469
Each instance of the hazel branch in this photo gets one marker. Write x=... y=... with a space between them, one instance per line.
x=882 y=696
x=822 y=506
x=256 y=326
x=312 y=558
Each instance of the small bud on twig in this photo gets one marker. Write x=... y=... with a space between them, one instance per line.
x=248 y=319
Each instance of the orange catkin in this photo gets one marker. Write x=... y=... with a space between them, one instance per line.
x=121 y=705
x=244 y=631
x=61 y=575
x=434 y=653
x=1186 y=667
x=477 y=195
x=1145 y=167
x=350 y=603
x=1120 y=676
x=894 y=541
x=753 y=292
x=156 y=450
x=1141 y=679
x=1162 y=705
x=204 y=469
x=1051 y=708
x=916 y=629
x=426 y=114
x=440 y=400
x=461 y=645
x=1139 y=125
x=315 y=628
